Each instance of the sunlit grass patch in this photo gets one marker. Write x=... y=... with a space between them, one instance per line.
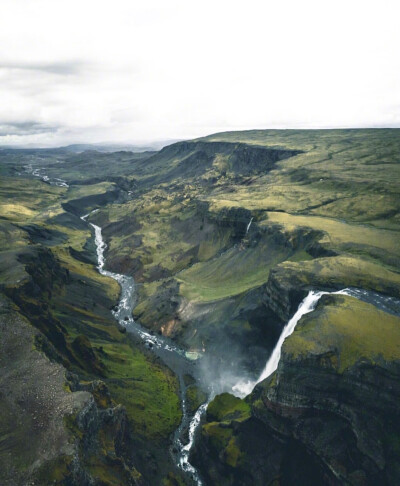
x=148 y=391
x=338 y=233
x=232 y=273
x=351 y=328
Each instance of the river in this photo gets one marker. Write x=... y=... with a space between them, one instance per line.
x=173 y=356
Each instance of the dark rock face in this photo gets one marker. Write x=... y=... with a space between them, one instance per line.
x=45 y=276
x=195 y=157
x=80 y=206
x=348 y=420
x=161 y=315
x=235 y=218
x=42 y=235
x=265 y=458
x=281 y=297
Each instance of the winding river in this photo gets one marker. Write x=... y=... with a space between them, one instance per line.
x=38 y=172
x=176 y=358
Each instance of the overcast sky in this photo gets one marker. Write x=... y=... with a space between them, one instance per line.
x=139 y=71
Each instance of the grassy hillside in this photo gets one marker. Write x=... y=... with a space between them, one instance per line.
x=351 y=329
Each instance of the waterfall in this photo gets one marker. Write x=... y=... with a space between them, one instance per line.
x=244 y=388
x=305 y=307
x=184 y=463
x=248 y=226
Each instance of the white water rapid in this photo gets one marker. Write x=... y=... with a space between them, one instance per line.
x=183 y=461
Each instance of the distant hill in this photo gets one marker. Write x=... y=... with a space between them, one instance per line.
x=105 y=147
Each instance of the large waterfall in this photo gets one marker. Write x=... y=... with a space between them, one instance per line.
x=387 y=304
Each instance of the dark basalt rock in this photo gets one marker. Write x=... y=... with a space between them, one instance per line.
x=84 y=353
x=82 y=256
x=281 y=297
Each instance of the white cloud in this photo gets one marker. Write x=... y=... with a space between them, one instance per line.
x=139 y=71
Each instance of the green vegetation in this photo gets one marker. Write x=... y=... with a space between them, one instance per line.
x=232 y=273
x=226 y=407
x=340 y=235
x=195 y=397
x=148 y=391
x=341 y=271
x=46 y=257
x=221 y=439
x=219 y=431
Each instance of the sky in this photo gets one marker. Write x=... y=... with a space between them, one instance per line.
x=140 y=71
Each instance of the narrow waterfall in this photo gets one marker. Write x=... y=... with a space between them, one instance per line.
x=184 y=463
x=248 y=226
x=308 y=305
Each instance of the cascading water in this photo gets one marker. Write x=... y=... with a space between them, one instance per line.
x=308 y=305
x=244 y=388
x=183 y=460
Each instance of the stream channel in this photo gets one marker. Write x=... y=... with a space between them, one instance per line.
x=177 y=359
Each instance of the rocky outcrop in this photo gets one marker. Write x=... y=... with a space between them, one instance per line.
x=161 y=311
x=281 y=297
x=84 y=204
x=33 y=402
x=192 y=159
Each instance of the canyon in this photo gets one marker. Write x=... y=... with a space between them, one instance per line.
x=154 y=287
